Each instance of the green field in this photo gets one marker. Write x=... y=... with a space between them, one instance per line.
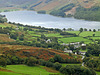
x=26 y=70
x=69 y=64
x=7 y=25
x=74 y=39
x=53 y=35
x=8 y=73
x=94 y=38
x=98 y=73
x=76 y=32
x=86 y=33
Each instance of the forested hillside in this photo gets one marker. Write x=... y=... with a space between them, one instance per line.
x=84 y=9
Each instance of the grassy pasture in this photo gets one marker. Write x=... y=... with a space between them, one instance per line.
x=8 y=73
x=32 y=33
x=76 y=32
x=86 y=33
x=7 y=25
x=53 y=35
x=74 y=39
x=98 y=73
x=95 y=38
x=70 y=64
x=26 y=70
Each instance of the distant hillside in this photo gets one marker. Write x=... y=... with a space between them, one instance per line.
x=16 y=3
x=68 y=7
x=47 y=4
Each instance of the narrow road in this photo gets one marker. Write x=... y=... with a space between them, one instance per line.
x=82 y=59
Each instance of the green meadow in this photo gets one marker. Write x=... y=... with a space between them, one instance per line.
x=98 y=73
x=94 y=38
x=70 y=64
x=76 y=32
x=53 y=35
x=26 y=70
x=86 y=33
x=74 y=39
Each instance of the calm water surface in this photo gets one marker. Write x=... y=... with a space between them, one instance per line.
x=48 y=21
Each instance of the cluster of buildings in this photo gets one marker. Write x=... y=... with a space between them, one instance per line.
x=76 y=45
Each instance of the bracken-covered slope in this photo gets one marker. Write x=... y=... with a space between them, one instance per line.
x=46 y=4
x=27 y=51
x=55 y=4
x=14 y=3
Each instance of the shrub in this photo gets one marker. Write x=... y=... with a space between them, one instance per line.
x=31 y=61
x=3 y=62
x=57 y=65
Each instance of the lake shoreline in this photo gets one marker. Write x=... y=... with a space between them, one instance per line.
x=48 y=21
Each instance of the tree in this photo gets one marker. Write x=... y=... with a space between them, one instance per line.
x=21 y=38
x=49 y=64
x=64 y=29
x=14 y=60
x=3 y=19
x=81 y=30
x=57 y=65
x=43 y=36
x=58 y=58
x=90 y=30
x=51 y=60
x=85 y=29
x=76 y=70
x=31 y=61
x=94 y=30
x=98 y=29
x=71 y=47
x=93 y=35
x=70 y=29
x=42 y=12
x=3 y=62
x=14 y=35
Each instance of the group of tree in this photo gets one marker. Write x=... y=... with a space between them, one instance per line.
x=93 y=63
x=76 y=70
x=68 y=34
x=4 y=31
x=93 y=49
x=10 y=59
x=68 y=70
x=3 y=18
x=81 y=30
x=41 y=12
x=88 y=13
x=59 y=13
x=58 y=58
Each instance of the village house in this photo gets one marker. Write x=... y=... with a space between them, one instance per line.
x=76 y=45
x=48 y=41
x=82 y=53
x=67 y=51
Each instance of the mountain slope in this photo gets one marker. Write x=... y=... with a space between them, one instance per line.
x=66 y=6
x=46 y=4
x=14 y=3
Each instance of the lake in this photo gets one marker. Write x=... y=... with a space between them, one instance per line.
x=49 y=21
